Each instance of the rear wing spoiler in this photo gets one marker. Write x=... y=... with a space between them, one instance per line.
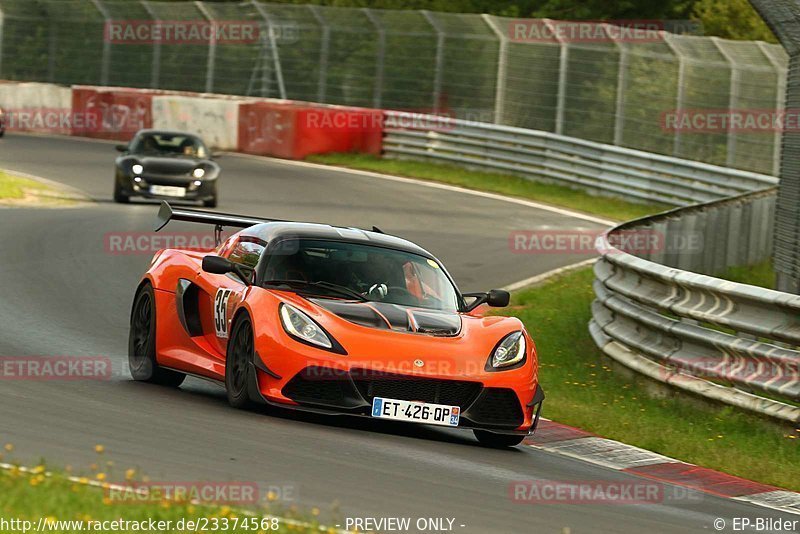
x=167 y=213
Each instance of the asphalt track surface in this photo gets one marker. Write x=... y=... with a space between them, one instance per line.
x=63 y=293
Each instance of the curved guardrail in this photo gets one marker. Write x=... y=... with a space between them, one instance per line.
x=730 y=342
x=567 y=160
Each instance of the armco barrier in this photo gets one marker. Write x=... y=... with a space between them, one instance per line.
x=213 y=119
x=294 y=130
x=730 y=342
x=110 y=112
x=575 y=162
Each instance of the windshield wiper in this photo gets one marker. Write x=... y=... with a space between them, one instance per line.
x=335 y=288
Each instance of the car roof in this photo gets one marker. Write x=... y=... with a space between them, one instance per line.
x=277 y=230
x=151 y=131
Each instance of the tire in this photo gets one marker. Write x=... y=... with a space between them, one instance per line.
x=497 y=441
x=142 y=343
x=240 y=354
x=211 y=203
x=119 y=196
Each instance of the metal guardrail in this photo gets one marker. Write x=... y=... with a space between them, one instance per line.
x=730 y=342
x=546 y=156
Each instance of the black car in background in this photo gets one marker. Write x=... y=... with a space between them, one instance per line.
x=166 y=165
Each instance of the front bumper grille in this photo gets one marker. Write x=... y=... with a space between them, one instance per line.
x=393 y=386
x=354 y=391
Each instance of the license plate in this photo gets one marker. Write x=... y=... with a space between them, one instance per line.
x=415 y=412
x=168 y=191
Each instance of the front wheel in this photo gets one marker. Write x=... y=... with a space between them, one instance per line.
x=142 y=343
x=241 y=351
x=497 y=441
x=119 y=196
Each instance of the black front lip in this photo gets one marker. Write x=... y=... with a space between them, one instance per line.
x=206 y=191
x=361 y=407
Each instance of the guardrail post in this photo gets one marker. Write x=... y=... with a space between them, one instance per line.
x=106 y=61
x=324 y=52
x=437 y=79
x=212 y=46
x=155 y=64
x=273 y=44
x=380 y=57
x=502 y=70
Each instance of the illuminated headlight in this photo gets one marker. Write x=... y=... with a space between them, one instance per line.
x=302 y=327
x=510 y=351
x=198 y=173
x=137 y=169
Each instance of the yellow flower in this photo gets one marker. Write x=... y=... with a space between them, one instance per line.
x=99 y=449
x=50 y=520
x=315 y=511
x=129 y=474
x=101 y=476
x=8 y=447
x=83 y=480
x=38 y=469
x=272 y=496
x=225 y=510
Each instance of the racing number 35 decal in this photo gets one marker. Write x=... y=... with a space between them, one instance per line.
x=221 y=312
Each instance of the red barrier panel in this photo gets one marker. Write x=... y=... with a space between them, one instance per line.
x=294 y=131
x=110 y=113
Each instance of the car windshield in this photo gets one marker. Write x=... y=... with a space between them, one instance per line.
x=365 y=272
x=163 y=144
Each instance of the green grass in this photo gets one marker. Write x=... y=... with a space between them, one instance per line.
x=14 y=187
x=761 y=274
x=583 y=391
x=19 y=191
x=557 y=195
x=32 y=495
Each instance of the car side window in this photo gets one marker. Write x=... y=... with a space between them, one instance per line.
x=246 y=253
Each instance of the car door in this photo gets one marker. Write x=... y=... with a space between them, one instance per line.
x=223 y=293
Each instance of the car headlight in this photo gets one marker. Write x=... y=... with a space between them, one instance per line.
x=510 y=351
x=198 y=172
x=302 y=327
x=137 y=169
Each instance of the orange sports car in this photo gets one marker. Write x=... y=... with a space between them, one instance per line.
x=334 y=320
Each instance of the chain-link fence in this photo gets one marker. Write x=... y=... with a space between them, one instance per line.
x=609 y=89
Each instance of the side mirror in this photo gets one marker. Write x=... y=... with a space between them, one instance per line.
x=220 y=265
x=121 y=148
x=217 y=265
x=497 y=298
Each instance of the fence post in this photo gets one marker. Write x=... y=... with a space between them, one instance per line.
x=212 y=46
x=733 y=100
x=324 y=52
x=502 y=70
x=780 y=98
x=563 y=65
x=676 y=139
x=106 y=61
x=155 y=66
x=437 y=79
x=619 y=108
x=276 y=58
x=2 y=26
x=380 y=57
